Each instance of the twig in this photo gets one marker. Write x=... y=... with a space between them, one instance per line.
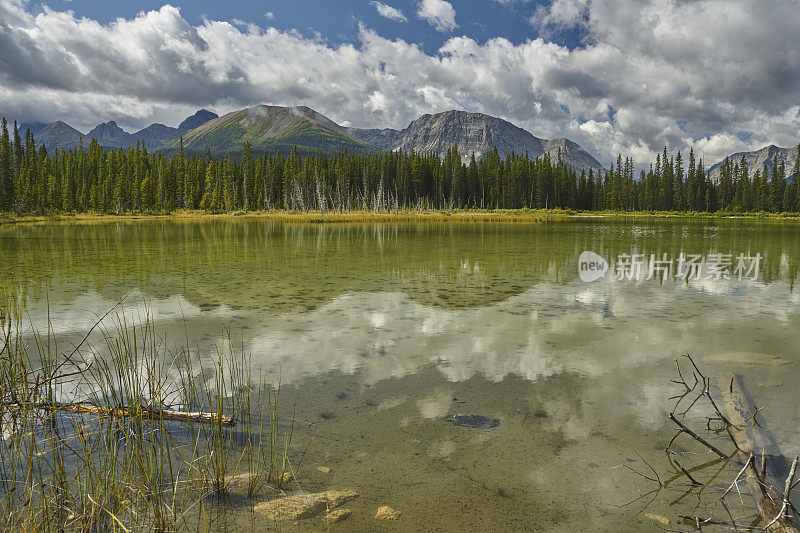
x=698 y=438
x=736 y=479
x=707 y=393
x=682 y=381
x=654 y=480
x=787 y=488
x=753 y=418
x=687 y=474
x=697 y=521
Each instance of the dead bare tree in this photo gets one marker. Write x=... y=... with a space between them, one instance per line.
x=739 y=423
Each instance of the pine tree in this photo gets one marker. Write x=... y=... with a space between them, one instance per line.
x=148 y=192
x=229 y=191
x=180 y=178
x=207 y=203
x=777 y=185
x=792 y=190
x=248 y=176
x=691 y=184
x=764 y=196
x=678 y=196
x=6 y=171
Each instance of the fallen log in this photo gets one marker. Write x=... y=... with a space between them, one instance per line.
x=126 y=412
x=753 y=440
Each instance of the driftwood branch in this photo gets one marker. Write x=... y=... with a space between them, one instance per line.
x=743 y=424
x=748 y=439
x=126 y=412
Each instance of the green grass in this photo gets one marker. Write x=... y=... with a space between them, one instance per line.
x=395 y=215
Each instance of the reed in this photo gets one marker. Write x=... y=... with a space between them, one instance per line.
x=125 y=467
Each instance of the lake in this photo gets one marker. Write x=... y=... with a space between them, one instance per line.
x=377 y=332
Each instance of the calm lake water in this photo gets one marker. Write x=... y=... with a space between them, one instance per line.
x=378 y=331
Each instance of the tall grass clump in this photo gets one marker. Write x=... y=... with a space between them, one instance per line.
x=120 y=430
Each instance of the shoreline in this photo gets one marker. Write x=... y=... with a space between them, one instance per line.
x=318 y=217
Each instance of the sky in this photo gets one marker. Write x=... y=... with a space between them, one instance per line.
x=616 y=76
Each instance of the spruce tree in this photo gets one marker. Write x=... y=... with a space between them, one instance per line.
x=777 y=185
x=148 y=192
x=248 y=176
x=6 y=171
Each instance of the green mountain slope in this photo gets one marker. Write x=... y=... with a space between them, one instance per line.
x=271 y=129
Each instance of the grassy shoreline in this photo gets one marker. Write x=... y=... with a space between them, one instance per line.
x=311 y=217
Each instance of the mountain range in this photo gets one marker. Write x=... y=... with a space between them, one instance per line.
x=108 y=135
x=756 y=160
x=277 y=128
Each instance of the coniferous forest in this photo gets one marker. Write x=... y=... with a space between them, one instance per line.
x=92 y=179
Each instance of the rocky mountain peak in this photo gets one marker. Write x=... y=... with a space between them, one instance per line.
x=473 y=133
x=198 y=119
x=107 y=131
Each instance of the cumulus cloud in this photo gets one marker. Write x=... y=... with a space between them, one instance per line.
x=439 y=14
x=389 y=12
x=681 y=74
x=561 y=13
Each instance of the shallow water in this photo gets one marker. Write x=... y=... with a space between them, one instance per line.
x=378 y=331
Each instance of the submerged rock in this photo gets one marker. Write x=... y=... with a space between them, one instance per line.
x=337 y=515
x=658 y=518
x=324 y=469
x=304 y=506
x=472 y=421
x=748 y=358
x=387 y=513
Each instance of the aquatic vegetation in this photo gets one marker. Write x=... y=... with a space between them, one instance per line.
x=122 y=430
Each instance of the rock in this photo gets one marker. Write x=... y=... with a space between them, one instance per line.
x=324 y=469
x=658 y=518
x=337 y=515
x=472 y=421
x=387 y=513
x=286 y=478
x=304 y=506
x=431 y=363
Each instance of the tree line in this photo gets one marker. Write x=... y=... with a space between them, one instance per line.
x=93 y=179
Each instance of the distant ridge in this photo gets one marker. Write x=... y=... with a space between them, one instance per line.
x=756 y=160
x=109 y=135
x=474 y=133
